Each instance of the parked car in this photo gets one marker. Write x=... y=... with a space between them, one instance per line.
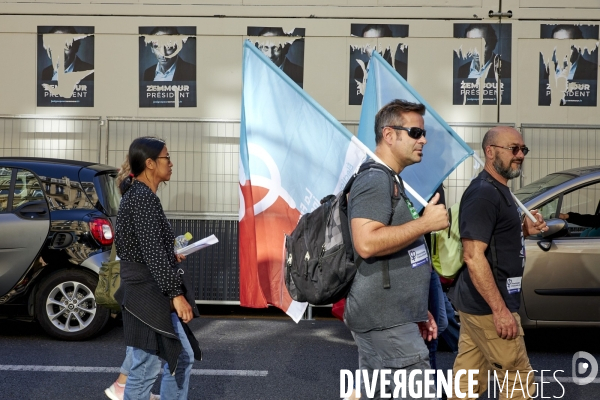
x=561 y=281
x=56 y=228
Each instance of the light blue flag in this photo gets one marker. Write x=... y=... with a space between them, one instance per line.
x=292 y=154
x=444 y=150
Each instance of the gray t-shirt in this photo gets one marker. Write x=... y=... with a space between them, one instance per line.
x=369 y=306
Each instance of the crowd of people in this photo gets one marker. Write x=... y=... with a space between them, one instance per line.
x=413 y=311
x=395 y=326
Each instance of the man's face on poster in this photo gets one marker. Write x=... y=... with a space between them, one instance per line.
x=70 y=49
x=490 y=44
x=164 y=53
x=373 y=33
x=567 y=34
x=274 y=51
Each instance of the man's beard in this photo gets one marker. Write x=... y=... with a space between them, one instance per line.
x=506 y=172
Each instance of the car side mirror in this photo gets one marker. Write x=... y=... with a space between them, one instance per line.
x=556 y=228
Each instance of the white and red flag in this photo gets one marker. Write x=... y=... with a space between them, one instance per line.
x=292 y=154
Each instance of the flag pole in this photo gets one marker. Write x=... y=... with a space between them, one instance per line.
x=521 y=206
x=410 y=190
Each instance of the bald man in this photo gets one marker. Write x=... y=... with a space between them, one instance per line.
x=487 y=293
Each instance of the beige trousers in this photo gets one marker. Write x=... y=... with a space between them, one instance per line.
x=480 y=347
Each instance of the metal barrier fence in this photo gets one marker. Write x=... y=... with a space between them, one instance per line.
x=214 y=270
x=559 y=147
x=75 y=138
x=202 y=196
x=205 y=154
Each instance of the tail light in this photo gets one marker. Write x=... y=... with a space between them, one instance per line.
x=102 y=231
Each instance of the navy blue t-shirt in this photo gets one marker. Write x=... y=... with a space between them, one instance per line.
x=488 y=210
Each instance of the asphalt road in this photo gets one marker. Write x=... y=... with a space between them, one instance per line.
x=247 y=355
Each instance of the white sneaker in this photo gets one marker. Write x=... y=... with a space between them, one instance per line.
x=116 y=393
x=112 y=393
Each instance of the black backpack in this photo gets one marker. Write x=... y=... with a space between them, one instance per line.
x=319 y=260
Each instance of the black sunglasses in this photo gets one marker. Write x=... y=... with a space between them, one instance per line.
x=413 y=132
x=515 y=149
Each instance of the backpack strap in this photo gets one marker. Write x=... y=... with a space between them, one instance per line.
x=397 y=190
x=113 y=253
x=449 y=223
x=492 y=244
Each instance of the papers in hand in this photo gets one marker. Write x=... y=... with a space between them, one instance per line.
x=198 y=245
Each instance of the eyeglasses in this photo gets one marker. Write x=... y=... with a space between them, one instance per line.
x=413 y=132
x=167 y=157
x=515 y=149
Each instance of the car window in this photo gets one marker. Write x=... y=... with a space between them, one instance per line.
x=583 y=200
x=548 y=210
x=5 y=175
x=27 y=189
x=540 y=186
x=110 y=197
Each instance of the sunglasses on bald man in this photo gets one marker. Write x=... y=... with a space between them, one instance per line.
x=514 y=149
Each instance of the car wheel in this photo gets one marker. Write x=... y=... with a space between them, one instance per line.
x=66 y=307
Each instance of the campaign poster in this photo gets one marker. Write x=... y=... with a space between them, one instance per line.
x=568 y=66
x=360 y=54
x=65 y=66
x=285 y=49
x=167 y=68
x=478 y=78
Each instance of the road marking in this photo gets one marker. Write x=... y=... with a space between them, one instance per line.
x=212 y=372
x=57 y=368
x=229 y=372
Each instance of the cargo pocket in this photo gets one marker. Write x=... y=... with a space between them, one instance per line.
x=506 y=354
x=417 y=361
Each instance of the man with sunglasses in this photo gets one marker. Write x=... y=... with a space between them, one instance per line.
x=389 y=322
x=487 y=293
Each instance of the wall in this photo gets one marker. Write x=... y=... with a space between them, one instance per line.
x=431 y=46
x=204 y=138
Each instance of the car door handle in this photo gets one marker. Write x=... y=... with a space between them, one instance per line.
x=34 y=209
x=37 y=210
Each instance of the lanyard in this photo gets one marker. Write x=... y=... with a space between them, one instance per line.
x=413 y=212
x=411 y=208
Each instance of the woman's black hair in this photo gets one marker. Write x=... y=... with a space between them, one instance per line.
x=140 y=150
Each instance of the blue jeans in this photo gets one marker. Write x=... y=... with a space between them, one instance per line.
x=451 y=333
x=437 y=308
x=126 y=366
x=145 y=367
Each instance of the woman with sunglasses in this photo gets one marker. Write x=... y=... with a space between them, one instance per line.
x=155 y=302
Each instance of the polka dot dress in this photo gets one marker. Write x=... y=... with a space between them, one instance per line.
x=144 y=235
